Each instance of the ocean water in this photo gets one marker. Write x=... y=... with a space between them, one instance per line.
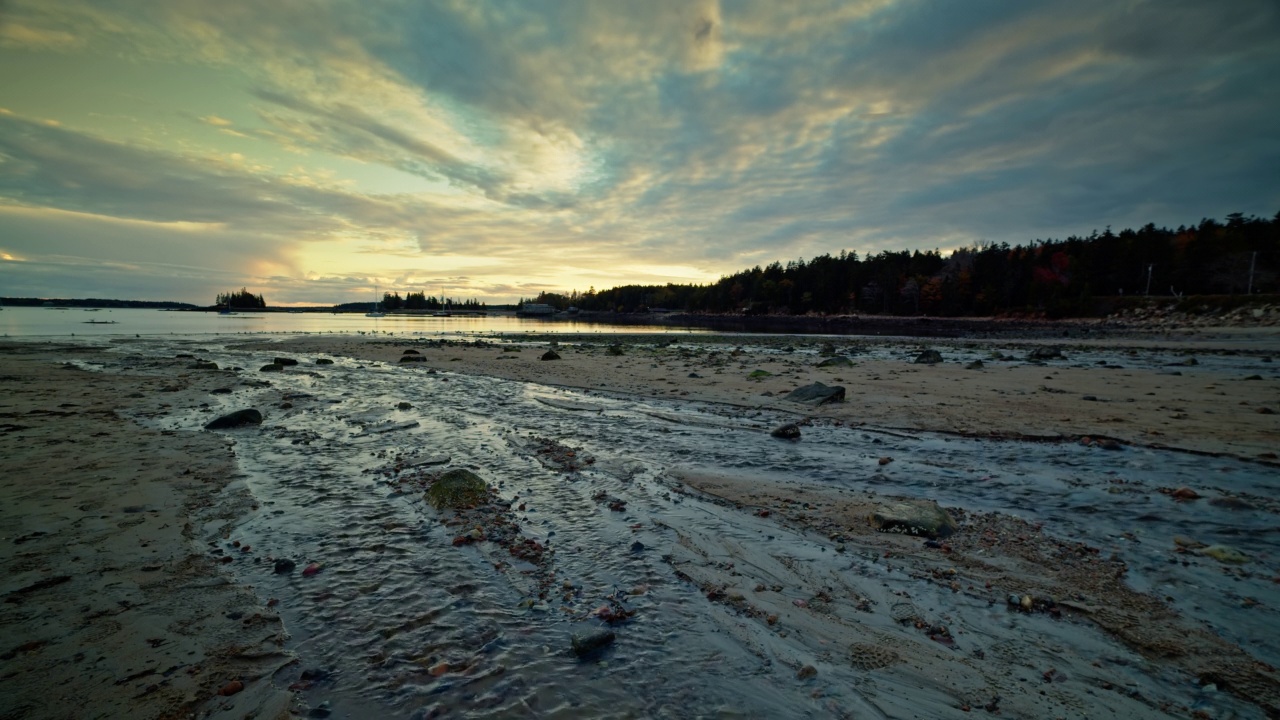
x=397 y=599
x=67 y=322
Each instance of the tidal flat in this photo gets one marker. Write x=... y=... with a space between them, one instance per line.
x=644 y=546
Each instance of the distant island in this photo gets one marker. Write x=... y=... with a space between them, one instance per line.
x=95 y=303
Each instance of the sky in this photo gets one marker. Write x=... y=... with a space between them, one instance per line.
x=312 y=151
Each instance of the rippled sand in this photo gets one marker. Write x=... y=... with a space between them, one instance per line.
x=753 y=581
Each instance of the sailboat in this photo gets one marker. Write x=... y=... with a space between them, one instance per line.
x=376 y=312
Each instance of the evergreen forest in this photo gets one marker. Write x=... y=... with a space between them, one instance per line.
x=1078 y=276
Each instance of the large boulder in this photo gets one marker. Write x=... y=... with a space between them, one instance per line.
x=550 y=355
x=457 y=489
x=285 y=361
x=323 y=361
x=817 y=394
x=928 y=357
x=236 y=419
x=837 y=361
x=273 y=367
x=923 y=518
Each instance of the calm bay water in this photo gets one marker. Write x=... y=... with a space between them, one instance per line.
x=51 y=322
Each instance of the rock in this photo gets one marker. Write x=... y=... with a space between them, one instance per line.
x=586 y=644
x=637 y=547
x=790 y=431
x=412 y=358
x=817 y=394
x=236 y=419
x=410 y=352
x=1185 y=493
x=404 y=406
x=323 y=361
x=203 y=366
x=614 y=350
x=220 y=391
x=231 y=688
x=1225 y=554
x=694 y=375
x=550 y=355
x=924 y=518
x=457 y=489
x=1231 y=503
x=885 y=460
x=311 y=570
x=271 y=368
x=928 y=357
x=827 y=349
x=1045 y=353
x=285 y=361
x=1109 y=444
x=837 y=361
x=284 y=565
x=806 y=672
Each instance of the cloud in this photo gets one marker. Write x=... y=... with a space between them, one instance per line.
x=585 y=141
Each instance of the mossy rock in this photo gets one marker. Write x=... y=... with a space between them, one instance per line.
x=457 y=489
x=759 y=374
x=837 y=361
x=614 y=350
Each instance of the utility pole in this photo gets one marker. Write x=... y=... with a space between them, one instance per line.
x=1149 y=266
x=1252 y=262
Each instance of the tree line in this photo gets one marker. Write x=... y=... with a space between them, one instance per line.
x=420 y=301
x=1078 y=276
x=242 y=299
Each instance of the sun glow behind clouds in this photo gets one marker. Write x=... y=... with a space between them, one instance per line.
x=504 y=148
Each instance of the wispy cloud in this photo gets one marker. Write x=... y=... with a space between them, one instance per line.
x=558 y=144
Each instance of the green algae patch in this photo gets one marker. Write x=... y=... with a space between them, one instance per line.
x=457 y=489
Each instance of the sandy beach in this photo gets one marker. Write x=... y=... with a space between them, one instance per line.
x=114 y=605
x=119 y=599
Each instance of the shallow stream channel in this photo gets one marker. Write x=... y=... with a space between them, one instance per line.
x=396 y=611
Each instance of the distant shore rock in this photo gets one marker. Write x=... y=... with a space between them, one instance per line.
x=551 y=355
x=285 y=361
x=323 y=361
x=1045 y=353
x=236 y=419
x=837 y=361
x=928 y=357
x=817 y=394
x=273 y=367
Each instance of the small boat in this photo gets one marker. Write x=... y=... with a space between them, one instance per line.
x=226 y=310
x=376 y=312
x=100 y=322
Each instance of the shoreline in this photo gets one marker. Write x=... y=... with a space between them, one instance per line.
x=1169 y=403
x=178 y=493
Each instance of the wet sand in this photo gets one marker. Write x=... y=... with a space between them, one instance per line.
x=1168 y=402
x=116 y=601
x=114 y=605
